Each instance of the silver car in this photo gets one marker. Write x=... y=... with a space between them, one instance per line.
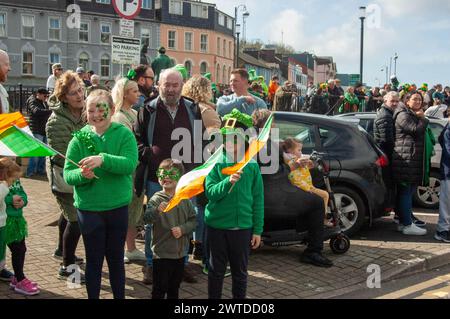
x=426 y=196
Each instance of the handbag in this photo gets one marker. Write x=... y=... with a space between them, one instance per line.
x=57 y=182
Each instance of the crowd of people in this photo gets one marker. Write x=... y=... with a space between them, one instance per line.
x=120 y=173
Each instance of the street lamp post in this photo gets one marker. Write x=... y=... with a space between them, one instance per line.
x=395 y=63
x=362 y=17
x=385 y=68
x=237 y=25
x=238 y=32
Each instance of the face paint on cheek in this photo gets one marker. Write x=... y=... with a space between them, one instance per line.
x=105 y=107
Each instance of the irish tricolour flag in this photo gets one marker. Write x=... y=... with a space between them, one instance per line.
x=17 y=140
x=254 y=148
x=192 y=183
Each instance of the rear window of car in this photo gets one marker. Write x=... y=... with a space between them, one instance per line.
x=301 y=131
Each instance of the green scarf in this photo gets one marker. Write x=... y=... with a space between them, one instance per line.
x=430 y=141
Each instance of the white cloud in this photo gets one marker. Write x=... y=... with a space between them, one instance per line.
x=398 y=8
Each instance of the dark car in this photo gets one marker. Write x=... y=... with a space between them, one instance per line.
x=425 y=196
x=355 y=163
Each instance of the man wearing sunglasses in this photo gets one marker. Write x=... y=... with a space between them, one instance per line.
x=145 y=79
x=57 y=70
x=39 y=114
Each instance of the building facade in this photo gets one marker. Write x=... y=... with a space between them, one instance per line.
x=324 y=69
x=38 y=33
x=198 y=36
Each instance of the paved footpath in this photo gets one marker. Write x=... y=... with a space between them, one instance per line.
x=273 y=272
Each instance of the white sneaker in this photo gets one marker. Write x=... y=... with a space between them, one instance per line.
x=126 y=260
x=414 y=230
x=400 y=227
x=135 y=255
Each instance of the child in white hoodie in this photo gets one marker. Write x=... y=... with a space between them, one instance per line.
x=5 y=182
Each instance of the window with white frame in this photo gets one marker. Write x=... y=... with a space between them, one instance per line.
x=28 y=26
x=199 y=11
x=54 y=31
x=203 y=68
x=53 y=58
x=146 y=4
x=218 y=73
x=27 y=62
x=176 y=7
x=218 y=46
x=172 y=43
x=83 y=60
x=3 y=24
x=105 y=33
x=105 y=66
x=224 y=74
x=221 y=19
x=224 y=47
x=204 y=43
x=83 y=34
x=145 y=36
x=230 y=23
x=188 y=66
x=188 y=41
x=104 y=1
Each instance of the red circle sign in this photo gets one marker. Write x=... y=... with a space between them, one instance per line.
x=127 y=9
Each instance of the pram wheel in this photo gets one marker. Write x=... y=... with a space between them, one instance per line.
x=340 y=244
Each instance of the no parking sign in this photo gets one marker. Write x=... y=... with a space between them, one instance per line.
x=127 y=9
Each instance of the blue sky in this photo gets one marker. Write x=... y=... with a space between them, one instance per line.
x=419 y=31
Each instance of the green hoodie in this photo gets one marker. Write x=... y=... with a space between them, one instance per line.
x=114 y=186
x=243 y=208
x=164 y=245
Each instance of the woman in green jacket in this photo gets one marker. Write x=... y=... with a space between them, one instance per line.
x=103 y=187
x=67 y=104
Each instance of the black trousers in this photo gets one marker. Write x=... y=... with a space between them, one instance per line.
x=18 y=250
x=167 y=277
x=228 y=246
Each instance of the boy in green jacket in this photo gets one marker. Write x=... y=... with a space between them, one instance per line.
x=235 y=213
x=171 y=232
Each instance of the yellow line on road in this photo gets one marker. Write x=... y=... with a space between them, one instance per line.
x=414 y=289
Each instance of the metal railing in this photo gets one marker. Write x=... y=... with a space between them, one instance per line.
x=18 y=96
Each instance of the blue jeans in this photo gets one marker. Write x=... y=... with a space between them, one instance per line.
x=405 y=203
x=37 y=164
x=152 y=188
x=444 y=207
x=104 y=235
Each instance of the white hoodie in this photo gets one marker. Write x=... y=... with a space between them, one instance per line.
x=4 y=190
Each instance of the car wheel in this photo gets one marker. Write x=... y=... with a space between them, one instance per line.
x=428 y=196
x=351 y=209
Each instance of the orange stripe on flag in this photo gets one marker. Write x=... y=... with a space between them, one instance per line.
x=193 y=189
x=11 y=119
x=253 y=149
